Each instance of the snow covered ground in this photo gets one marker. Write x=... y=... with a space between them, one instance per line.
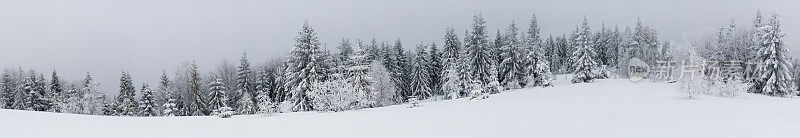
x=606 y=108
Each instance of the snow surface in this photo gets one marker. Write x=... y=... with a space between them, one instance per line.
x=605 y=108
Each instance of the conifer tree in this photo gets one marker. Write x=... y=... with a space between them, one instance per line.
x=420 y=79
x=537 y=66
x=197 y=105
x=303 y=68
x=217 y=97
x=8 y=90
x=244 y=80
x=479 y=61
x=126 y=104
x=452 y=68
x=583 y=57
x=147 y=104
x=775 y=78
x=435 y=69
x=246 y=105
x=56 y=93
x=511 y=63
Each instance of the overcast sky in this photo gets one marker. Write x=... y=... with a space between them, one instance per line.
x=146 y=36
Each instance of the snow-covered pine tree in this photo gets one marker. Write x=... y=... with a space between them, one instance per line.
x=775 y=78
x=453 y=85
x=244 y=81
x=583 y=57
x=197 y=105
x=303 y=68
x=126 y=104
x=434 y=69
x=398 y=66
x=479 y=63
x=265 y=104
x=246 y=105
x=645 y=42
x=72 y=101
x=20 y=92
x=56 y=93
x=420 y=77
x=170 y=107
x=511 y=62
x=216 y=96
x=30 y=93
x=147 y=104
x=8 y=90
x=536 y=66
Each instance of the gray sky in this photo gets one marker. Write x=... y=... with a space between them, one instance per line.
x=146 y=36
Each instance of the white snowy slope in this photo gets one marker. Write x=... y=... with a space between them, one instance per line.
x=605 y=108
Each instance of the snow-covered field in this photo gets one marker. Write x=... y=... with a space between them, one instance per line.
x=606 y=108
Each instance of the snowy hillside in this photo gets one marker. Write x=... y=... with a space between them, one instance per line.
x=607 y=108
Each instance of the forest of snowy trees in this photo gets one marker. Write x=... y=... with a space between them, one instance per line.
x=375 y=73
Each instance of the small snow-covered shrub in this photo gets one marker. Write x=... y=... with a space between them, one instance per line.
x=413 y=101
x=704 y=86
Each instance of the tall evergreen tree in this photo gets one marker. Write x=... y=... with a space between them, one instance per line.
x=434 y=69
x=454 y=80
x=420 y=77
x=147 y=104
x=244 y=80
x=480 y=65
x=536 y=65
x=56 y=93
x=775 y=78
x=217 y=97
x=8 y=90
x=303 y=68
x=583 y=57
x=126 y=104
x=511 y=62
x=197 y=105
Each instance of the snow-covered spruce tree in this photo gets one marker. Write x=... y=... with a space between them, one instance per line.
x=479 y=63
x=244 y=81
x=217 y=97
x=56 y=93
x=147 y=104
x=20 y=93
x=511 y=59
x=126 y=104
x=170 y=107
x=398 y=66
x=44 y=100
x=537 y=66
x=383 y=85
x=165 y=92
x=246 y=105
x=8 y=90
x=645 y=42
x=30 y=93
x=303 y=68
x=265 y=104
x=197 y=105
x=583 y=57
x=453 y=85
x=434 y=69
x=420 y=79
x=775 y=78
